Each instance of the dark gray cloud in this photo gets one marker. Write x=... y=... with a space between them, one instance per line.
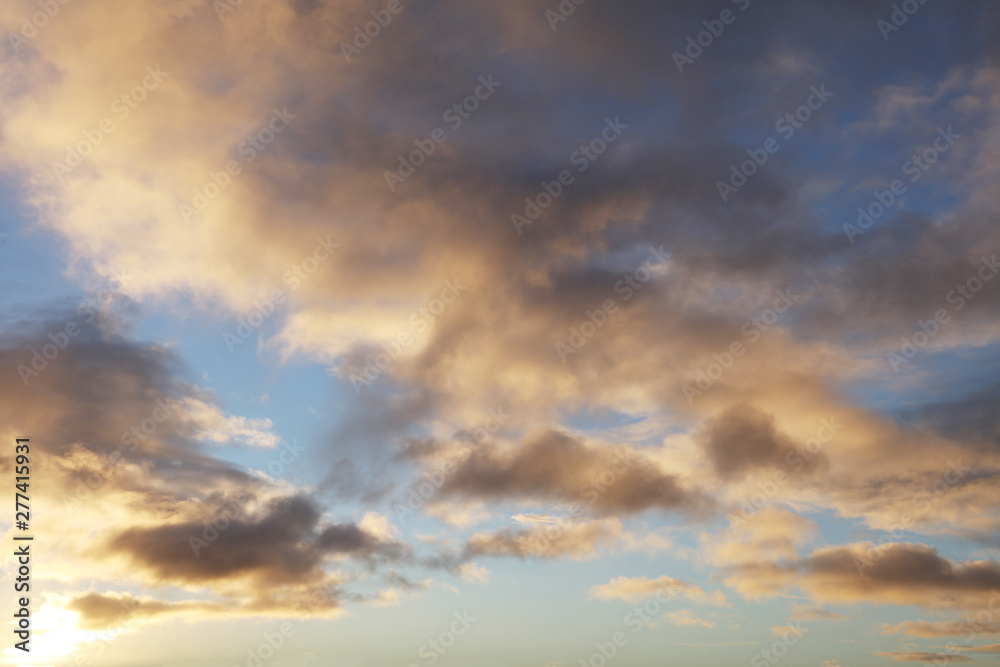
x=284 y=543
x=557 y=467
x=743 y=438
x=895 y=573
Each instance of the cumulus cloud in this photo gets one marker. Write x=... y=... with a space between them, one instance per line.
x=897 y=573
x=637 y=589
x=559 y=467
x=744 y=438
x=283 y=543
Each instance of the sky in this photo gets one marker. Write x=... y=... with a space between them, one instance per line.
x=524 y=333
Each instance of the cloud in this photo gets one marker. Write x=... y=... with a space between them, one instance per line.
x=924 y=657
x=772 y=534
x=105 y=610
x=323 y=176
x=687 y=617
x=322 y=180
x=134 y=402
x=472 y=573
x=953 y=628
x=127 y=457
x=897 y=573
x=744 y=438
x=556 y=466
x=282 y=543
x=578 y=539
x=387 y=598
x=637 y=589
x=212 y=426
x=803 y=612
